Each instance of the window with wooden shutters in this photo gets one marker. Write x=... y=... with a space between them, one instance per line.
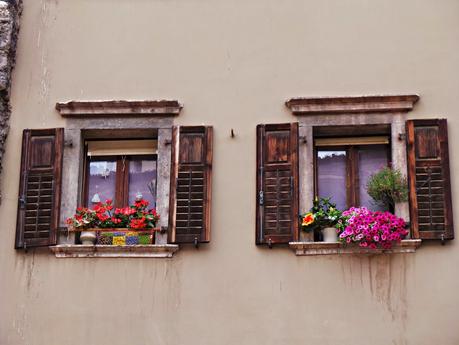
x=277 y=183
x=431 y=210
x=190 y=184
x=40 y=187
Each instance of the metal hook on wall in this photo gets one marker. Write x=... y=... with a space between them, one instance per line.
x=196 y=242
x=270 y=243
x=232 y=133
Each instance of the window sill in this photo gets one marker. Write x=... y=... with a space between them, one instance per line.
x=327 y=248
x=107 y=251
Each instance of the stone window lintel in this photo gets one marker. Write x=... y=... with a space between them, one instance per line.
x=351 y=104
x=119 y=107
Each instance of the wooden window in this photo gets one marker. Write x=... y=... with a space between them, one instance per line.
x=343 y=166
x=191 y=184
x=120 y=170
x=277 y=183
x=40 y=188
x=431 y=209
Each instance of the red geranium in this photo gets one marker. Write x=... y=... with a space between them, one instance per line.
x=134 y=217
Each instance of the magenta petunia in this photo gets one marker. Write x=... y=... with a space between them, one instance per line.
x=371 y=229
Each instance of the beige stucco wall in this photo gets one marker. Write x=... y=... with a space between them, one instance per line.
x=232 y=64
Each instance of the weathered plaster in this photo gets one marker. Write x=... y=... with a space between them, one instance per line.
x=233 y=64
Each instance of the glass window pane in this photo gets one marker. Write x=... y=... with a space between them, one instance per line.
x=142 y=180
x=102 y=181
x=331 y=176
x=371 y=159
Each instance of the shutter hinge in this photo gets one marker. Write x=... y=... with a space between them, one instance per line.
x=22 y=202
x=261 y=198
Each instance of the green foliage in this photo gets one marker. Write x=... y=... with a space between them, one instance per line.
x=322 y=214
x=387 y=187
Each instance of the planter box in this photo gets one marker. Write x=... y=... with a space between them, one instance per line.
x=122 y=237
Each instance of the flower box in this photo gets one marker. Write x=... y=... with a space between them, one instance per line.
x=121 y=237
x=104 y=225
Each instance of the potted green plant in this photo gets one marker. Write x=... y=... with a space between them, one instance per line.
x=323 y=216
x=387 y=187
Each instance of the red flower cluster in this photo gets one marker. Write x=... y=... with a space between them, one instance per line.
x=136 y=216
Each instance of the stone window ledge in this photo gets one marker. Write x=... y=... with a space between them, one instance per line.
x=327 y=248
x=107 y=251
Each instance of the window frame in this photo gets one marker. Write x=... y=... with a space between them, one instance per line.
x=352 y=169
x=121 y=198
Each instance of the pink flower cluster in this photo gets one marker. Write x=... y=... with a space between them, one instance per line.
x=371 y=229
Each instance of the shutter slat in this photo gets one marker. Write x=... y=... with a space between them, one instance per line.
x=429 y=179
x=277 y=183
x=190 y=185
x=40 y=188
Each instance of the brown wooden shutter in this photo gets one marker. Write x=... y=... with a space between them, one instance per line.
x=431 y=209
x=40 y=187
x=191 y=187
x=277 y=183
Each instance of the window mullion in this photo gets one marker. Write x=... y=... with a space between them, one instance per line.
x=126 y=163
x=119 y=192
x=356 y=176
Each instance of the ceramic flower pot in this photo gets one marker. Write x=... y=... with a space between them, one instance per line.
x=88 y=237
x=329 y=235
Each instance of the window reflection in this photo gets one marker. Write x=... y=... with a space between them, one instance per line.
x=371 y=159
x=102 y=181
x=142 y=180
x=331 y=176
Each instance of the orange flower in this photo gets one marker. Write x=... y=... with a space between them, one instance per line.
x=307 y=219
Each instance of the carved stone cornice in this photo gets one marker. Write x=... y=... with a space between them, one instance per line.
x=351 y=104
x=119 y=108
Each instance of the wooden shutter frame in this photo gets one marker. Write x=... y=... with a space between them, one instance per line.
x=448 y=233
x=208 y=151
x=20 y=241
x=259 y=233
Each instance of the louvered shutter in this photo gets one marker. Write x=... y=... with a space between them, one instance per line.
x=40 y=188
x=431 y=209
x=277 y=183
x=190 y=184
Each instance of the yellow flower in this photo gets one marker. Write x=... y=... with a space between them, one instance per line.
x=308 y=219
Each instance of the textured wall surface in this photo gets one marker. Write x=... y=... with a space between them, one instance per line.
x=9 y=27
x=232 y=64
